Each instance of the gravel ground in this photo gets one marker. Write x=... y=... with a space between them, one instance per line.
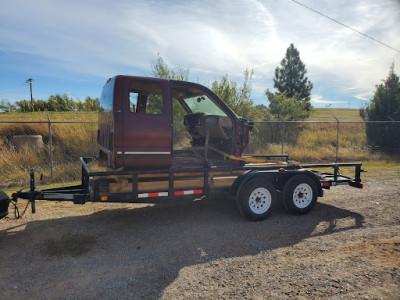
x=347 y=247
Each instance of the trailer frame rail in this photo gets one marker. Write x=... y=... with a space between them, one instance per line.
x=89 y=189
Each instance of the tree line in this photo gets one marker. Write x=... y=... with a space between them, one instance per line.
x=54 y=103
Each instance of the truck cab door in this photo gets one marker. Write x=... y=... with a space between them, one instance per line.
x=146 y=124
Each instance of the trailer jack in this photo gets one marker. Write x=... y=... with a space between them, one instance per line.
x=5 y=201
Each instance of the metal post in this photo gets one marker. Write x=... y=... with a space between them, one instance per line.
x=207 y=138
x=337 y=139
x=283 y=133
x=30 y=81
x=51 y=147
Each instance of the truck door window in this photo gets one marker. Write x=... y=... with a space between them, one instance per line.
x=146 y=98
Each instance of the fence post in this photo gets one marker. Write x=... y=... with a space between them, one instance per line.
x=337 y=139
x=51 y=146
x=283 y=133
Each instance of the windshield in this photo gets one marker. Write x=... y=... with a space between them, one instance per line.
x=202 y=103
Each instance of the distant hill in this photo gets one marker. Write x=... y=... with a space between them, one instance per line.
x=329 y=114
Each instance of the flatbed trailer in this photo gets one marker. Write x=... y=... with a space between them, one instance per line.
x=256 y=187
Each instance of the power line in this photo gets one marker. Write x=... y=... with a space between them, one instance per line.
x=351 y=28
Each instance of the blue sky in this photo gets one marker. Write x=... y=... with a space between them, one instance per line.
x=74 y=46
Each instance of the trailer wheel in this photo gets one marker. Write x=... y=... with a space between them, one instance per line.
x=256 y=199
x=300 y=194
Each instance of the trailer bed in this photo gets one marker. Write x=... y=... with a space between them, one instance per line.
x=149 y=186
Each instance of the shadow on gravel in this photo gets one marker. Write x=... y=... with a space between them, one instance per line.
x=125 y=253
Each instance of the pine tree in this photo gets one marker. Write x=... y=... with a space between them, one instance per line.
x=290 y=78
x=385 y=106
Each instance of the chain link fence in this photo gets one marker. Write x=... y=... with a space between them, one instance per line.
x=326 y=141
x=52 y=147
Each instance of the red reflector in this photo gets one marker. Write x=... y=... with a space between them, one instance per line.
x=153 y=195
x=197 y=191
x=179 y=193
x=325 y=184
x=362 y=185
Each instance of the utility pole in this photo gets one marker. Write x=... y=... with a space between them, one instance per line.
x=30 y=81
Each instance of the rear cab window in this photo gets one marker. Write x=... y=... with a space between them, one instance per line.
x=107 y=97
x=145 y=98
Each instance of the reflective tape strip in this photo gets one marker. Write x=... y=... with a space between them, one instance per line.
x=147 y=152
x=148 y=195
x=144 y=153
x=190 y=192
x=165 y=194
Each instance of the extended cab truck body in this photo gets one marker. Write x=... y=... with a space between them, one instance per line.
x=143 y=157
x=136 y=124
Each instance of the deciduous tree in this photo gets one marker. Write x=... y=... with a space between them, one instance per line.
x=238 y=97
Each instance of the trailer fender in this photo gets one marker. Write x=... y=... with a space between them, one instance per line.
x=317 y=182
x=238 y=181
x=285 y=176
x=309 y=174
x=245 y=177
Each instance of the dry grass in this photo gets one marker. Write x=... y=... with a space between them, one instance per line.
x=329 y=114
x=78 y=116
x=69 y=142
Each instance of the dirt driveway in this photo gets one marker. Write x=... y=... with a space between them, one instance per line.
x=348 y=246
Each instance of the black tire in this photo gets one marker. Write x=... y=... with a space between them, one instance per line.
x=256 y=199
x=4 y=202
x=300 y=194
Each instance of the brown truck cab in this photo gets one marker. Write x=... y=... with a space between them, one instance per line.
x=152 y=123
